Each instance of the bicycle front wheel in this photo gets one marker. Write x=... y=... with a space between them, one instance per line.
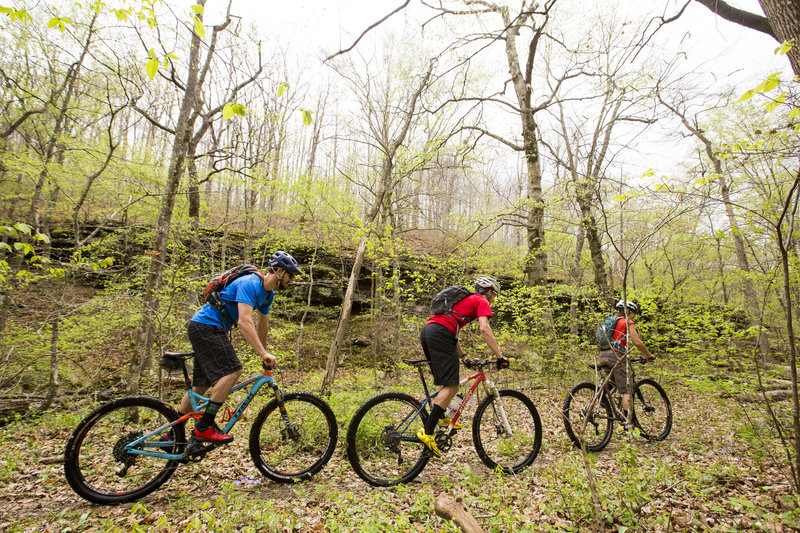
x=295 y=446
x=510 y=446
x=96 y=463
x=382 y=443
x=588 y=420
x=652 y=412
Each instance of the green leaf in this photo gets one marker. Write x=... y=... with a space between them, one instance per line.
x=282 y=88
x=227 y=110
x=152 y=53
x=152 y=68
x=199 y=29
x=53 y=22
x=784 y=48
x=746 y=96
x=198 y=9
x=173 y=56
x=306 y=117
x=24 y=228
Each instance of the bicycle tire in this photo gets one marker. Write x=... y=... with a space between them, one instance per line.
x=94 y=452
x=497 y=449
x=296 y=453
x=652 y=411
x=599 y=423
x=373 y=447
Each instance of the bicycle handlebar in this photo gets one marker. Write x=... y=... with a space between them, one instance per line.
x=480 y=364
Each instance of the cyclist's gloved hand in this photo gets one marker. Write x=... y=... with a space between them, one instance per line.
x=502 y=362
x=467 y=362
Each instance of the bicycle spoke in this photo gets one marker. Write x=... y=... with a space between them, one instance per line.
x=97 y=464
x=381 y=440
x=652 y=412
x=298 y=448
x=588 y=420
x=507 y=434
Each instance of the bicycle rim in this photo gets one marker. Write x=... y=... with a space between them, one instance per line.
x=586 y=423
x=496 y=447
x=381 y=440
x=298 y=449
x=652 y=412
x=95 y=463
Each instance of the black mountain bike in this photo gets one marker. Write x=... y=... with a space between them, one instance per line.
x=382 y=443
x=589 y=414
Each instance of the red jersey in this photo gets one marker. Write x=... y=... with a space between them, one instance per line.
x=470 y=308
x=620 y=332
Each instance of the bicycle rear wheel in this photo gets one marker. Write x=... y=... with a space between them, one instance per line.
x=298 y=447
x=496 y=447
x=592 y=427
x=652 y=412
x=382 y=445
x=95 y=462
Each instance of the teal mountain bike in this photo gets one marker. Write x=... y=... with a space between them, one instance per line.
x=128 y=448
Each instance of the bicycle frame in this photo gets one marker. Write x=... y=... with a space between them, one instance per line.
x=480 y=378
x=140 y=447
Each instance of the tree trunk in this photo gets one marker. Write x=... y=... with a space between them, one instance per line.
x=52 y=388
x=784 y=18
x=150 y=300
x=385 y=186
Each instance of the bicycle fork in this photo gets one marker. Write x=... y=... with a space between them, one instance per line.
x=500 y=416
x=290 y=432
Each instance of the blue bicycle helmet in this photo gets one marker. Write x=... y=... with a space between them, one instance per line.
x=281 y=259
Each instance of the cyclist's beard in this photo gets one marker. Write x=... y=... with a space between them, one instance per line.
x=282 y=285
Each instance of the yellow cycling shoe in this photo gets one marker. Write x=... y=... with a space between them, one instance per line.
x=444 y=422
x=429 y=441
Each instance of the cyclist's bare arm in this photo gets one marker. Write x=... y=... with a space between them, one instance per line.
x=488 y=335
x=251 y=334
x=637 y=341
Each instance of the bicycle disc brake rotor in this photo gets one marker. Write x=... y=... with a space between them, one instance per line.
x=120 y=455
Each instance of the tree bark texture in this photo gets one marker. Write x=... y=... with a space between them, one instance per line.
x=536 y=260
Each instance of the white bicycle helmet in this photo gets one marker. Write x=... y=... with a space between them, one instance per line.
x=486 y=283
x=629 y=304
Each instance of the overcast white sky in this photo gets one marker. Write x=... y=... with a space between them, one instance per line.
x=720 y=53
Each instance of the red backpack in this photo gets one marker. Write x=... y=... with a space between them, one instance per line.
x=217 y=285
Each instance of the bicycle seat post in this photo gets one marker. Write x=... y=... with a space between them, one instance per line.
x=424 y=383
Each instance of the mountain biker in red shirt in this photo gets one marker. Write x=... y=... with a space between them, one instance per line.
x=627 y=312
x=439 y=340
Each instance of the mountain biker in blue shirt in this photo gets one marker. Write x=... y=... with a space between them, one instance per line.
x=215 y=361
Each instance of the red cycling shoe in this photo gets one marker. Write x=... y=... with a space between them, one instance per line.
x=212 y=434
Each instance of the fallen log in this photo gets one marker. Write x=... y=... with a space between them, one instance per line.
x=777 y=384
x=456 y=511
x=774 y=395
x=11 y=408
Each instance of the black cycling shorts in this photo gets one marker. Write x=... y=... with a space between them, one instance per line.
x=439 y=345
x=214 y=356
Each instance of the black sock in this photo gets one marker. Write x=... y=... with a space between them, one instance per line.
x=430 y=424
x=209 y=415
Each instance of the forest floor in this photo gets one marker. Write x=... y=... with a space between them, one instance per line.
x=713 y=472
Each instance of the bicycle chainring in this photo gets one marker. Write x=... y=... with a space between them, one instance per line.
x=443 y=441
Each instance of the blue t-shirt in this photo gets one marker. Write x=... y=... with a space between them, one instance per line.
x=246 y=289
